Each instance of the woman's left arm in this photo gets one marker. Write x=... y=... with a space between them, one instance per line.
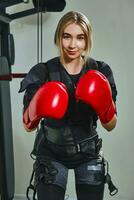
x=111 y=124
x=106 y=70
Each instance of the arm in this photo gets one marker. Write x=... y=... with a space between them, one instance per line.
x=29 y=93
x=106 y=70
x=30 y=84
x=27 y=129
x=111 y=124
x=50 y=100
x=97 y=93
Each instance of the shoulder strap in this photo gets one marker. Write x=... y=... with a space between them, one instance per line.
x=53 y=69
x=56 y=72
x=93 y=64
x=90 y=64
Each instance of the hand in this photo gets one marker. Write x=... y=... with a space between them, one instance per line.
x=94 y=89
x=50 y=100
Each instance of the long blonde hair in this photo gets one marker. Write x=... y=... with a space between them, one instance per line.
x=80 y=19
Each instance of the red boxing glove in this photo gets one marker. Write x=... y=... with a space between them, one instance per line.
x=50 y=100
x=94 y=89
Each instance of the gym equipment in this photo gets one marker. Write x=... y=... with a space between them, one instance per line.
x=6 y=139
x=7 y=57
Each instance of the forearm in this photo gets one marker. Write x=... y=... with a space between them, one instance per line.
x=111 y=124
x=29 y=130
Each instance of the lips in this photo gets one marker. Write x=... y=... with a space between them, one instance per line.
x=72 y=52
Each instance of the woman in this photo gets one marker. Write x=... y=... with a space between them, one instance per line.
x=67 y=95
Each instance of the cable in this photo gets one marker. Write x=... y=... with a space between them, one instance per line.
x=37 y=37
x=39 y=34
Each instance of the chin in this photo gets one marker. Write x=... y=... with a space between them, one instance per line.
x=72 y=57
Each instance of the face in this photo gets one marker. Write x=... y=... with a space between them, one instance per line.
x=73 y=41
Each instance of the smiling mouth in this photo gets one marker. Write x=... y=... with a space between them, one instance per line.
x=72 y=52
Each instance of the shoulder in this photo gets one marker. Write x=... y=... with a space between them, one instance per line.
x=105 y=69
x=91 y=63
x=101 y=66
x=39 y=73
x=53 y=64
x=38 y=70
x=55 y=60
x=36 y=75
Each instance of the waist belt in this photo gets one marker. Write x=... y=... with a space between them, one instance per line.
x=64 y=135
x=63 y=138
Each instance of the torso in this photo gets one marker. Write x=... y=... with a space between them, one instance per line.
x=79 y=117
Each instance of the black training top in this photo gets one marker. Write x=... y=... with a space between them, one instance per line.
x=78 y=114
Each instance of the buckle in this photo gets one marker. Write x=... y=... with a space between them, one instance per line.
x=78 y=148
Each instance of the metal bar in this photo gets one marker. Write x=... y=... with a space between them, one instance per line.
x=8 y=77
x=5 y=18
x=7 y=3
x=23 y=13
x=5 y=30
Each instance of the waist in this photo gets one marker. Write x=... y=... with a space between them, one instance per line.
x=69 y=135
x=62 y=143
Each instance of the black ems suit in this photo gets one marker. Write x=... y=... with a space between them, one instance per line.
x=69 y=143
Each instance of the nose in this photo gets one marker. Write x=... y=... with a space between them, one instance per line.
x=72 y=43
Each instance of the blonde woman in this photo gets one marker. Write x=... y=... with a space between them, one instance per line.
x=67 y=95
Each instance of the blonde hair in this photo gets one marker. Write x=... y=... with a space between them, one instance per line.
x=83 y=22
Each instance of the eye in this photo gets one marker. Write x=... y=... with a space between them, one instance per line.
x=80 y=37
x=65 y=36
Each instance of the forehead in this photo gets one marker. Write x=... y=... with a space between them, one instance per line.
x=73 y=29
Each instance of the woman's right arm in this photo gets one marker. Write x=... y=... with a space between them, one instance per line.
x=30 y=84
x=29 y=93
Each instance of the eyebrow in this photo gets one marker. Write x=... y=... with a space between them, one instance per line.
x=81 y=34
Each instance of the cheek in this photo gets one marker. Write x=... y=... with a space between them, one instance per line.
x=65 y=43
x=82 y=45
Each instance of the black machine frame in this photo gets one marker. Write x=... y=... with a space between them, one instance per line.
x=7 y=58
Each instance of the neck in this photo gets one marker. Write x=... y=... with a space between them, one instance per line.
x=74 y=66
